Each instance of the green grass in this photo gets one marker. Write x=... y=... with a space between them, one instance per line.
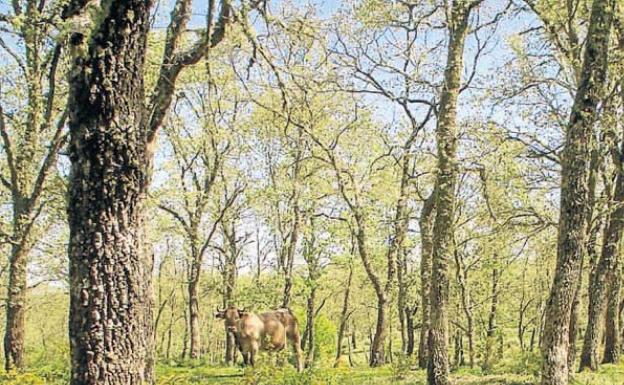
x=196 y=373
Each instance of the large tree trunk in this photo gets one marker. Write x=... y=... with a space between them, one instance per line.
x=575 y=163
x=110 y=272
x=443 y=229
x=426 y=239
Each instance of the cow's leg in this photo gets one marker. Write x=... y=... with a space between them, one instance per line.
x=296 y=343
x=245 y=358
x=255 y=347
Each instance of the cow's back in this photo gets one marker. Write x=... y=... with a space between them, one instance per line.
x=290 y=322
x=274 y=331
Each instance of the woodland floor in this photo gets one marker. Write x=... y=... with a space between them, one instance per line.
x=271 y=375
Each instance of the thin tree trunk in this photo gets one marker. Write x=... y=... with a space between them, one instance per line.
x=344 y=316
x=426 y=228
x=575 y=162
x=309 y=337
x=602 y=279
x=229 y=282
x=409 y=320
x=490 y=336
x=443 y=228
x=574 y=319
x=613 y=347
x=296 y=225
x=15 y=309
x=401 y=302
x=466 y=305
x=193 y=302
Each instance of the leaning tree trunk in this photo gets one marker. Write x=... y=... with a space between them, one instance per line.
x=443 y=228
x=426 y=229
x=377 y=353
x=575 y=164
x=110 y=272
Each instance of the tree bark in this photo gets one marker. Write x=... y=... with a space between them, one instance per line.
x=344 y=317
x=575 y=163
x=229 y=282
x=293 y=240
x=15 y=310
x=409 y=321
x=443 y=228
x=193 y=310
x=602 y=279
x=426 y=228
x=574 y=318
x=110 y=271
x=613 y=346
x=310 y=328
x=466 y=305
x=490 y=336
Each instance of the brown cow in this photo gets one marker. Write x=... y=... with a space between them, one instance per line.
x=266 y=331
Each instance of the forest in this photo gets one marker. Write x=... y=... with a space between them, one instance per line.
x=312 y=192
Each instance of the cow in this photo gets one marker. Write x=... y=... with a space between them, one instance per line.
x=267 y=331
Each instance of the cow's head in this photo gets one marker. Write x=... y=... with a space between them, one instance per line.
x=231 y=316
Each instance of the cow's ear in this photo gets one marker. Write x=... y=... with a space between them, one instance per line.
x=218 y=314
x=242 y=312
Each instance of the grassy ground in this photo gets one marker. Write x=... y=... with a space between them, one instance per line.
x=271 y=375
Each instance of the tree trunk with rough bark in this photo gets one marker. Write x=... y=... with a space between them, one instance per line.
x=110 y=271
x=443 y=228
x=574 y=206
